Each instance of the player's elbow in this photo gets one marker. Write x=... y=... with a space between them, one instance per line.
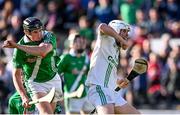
x=45 y=49
x=44 y=53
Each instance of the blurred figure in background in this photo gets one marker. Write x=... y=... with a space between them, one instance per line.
x=128 y=11
x=102 y=13
x=41 y=12
x=86 y=31
x=154 y=84
x=15 y=28
x=6 y=85
x=174 y=28
x=5 y=18
x=171 y=80
x=139 y=86
x=54 y=17
x=140 y=18
x=140 y=34
x=74 y=66
x=155 y=24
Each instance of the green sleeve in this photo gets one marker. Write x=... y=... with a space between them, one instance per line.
x=18 y=58
x=63 y=64
x=50 y=38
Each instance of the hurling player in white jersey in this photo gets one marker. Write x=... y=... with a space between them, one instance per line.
x=102 y=77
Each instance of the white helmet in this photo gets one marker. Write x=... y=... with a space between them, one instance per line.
x=117 y=25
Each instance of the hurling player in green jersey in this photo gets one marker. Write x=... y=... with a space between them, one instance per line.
x=35 y=57
x=71 y=65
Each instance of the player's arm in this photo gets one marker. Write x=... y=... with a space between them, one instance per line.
x=105 y=29
x=41 y=50
x=17 y=80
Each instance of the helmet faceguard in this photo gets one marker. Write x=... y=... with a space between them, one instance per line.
x=32 y=23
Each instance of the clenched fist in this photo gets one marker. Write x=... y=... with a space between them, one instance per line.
x=9 y=44
x=122 y=83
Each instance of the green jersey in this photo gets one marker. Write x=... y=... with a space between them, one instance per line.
x=15 y=105
x=37 y=68
x=67 y=64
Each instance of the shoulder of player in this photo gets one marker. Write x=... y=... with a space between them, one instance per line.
x=23 y=40
x=48 y=34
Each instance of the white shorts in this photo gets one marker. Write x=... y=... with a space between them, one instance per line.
x=75 y=105
x=45 y=87
x=99 y=96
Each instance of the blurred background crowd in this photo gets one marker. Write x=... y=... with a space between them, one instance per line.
x=151 y=21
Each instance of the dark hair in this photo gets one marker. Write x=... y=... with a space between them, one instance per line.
x=32 y=23
x=76 y=37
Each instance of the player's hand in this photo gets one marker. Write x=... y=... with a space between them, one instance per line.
x=124 y=47
x=9 y=44
x=122 y=83
x=25 y=102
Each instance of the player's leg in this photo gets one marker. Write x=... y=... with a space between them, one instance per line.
x=87 y=107
x=41 y=89
x=126 y=109
x=105 y=109
x=77 y=106
x=73 y=106
x=43 y=107
x=122 y=107
x=53 y=105
x=102 y=99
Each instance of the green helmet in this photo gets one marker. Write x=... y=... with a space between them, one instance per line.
x=32 y=23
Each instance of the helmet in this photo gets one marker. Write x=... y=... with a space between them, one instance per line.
x=32 y=23
x=117 y=25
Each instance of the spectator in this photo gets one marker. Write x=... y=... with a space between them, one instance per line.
x=54 y=17
x=172 y=10
x=174 y=28
x=15 y=28
x=146 y=49
x=6 y=85
x=154 y=75
x=140 y=18
x=86 y=32
x=128 y=11
x=155 y=24
x=85 y=29
x=140 y=35
x=102 y=12
x=171 y=83
x=27 y=7
x=5 y=18
x=41 y=12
